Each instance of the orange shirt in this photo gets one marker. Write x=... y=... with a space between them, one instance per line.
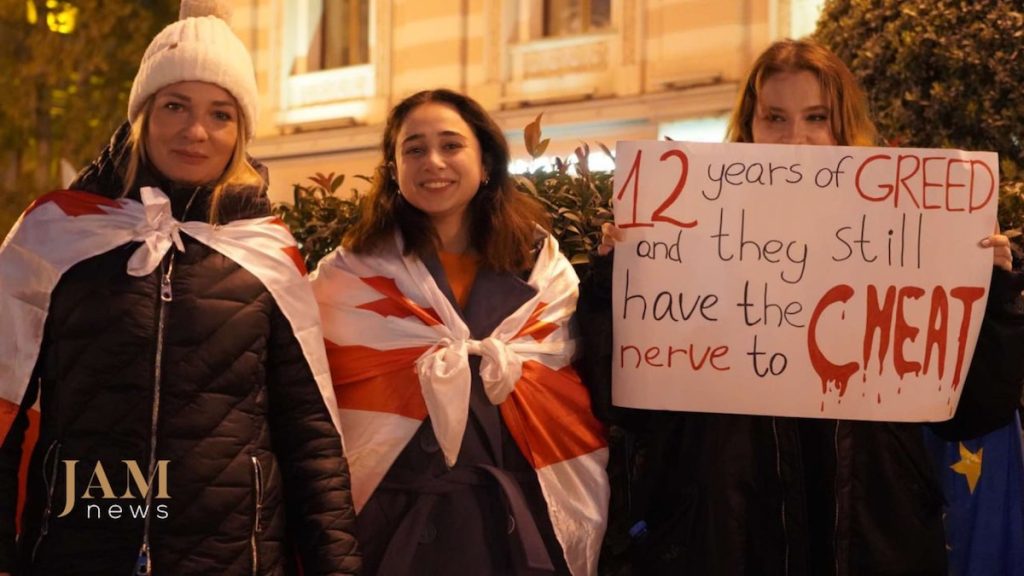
x=461 y=272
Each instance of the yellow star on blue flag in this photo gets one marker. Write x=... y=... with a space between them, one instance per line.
x=969 y=465
x=984 y=517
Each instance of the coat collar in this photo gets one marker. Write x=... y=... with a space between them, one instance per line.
x=492 y=298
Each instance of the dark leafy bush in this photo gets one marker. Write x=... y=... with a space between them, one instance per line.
x=578 y=199
x=318 y=217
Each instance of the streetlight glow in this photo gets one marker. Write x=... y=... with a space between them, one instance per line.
x=61 y=17
x=31 y=15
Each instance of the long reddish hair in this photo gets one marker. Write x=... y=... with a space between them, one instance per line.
x=851 y=121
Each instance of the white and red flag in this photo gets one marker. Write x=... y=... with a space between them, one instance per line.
x=399 y=352
x=66 y=227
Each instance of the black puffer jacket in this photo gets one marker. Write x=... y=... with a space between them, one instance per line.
x=255 y=475
x=729 y=494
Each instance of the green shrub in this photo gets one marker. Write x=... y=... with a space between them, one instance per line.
x=318 y=217
x=578 y=199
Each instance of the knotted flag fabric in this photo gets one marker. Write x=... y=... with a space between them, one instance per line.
x=983 y=484
x=66 y=227
x=399 y=352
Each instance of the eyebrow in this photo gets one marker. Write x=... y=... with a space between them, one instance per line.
x=181 y=96
x=818 y=108
x=420 y=135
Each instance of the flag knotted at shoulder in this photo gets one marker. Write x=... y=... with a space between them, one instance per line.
x=399 y=352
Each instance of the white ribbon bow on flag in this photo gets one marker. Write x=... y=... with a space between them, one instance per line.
x=157 y=231
x=444 y=379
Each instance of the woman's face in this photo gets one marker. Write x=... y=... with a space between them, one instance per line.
x=439 y=163
x=192 y=132
x=791 y=109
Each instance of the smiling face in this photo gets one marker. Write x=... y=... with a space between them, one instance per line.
x=439 y=165
x=192 y=132
x=791 y=109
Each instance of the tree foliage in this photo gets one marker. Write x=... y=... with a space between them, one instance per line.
x=67 y=69
x=941 y=73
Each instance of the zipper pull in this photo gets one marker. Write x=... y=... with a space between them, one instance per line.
x=142 y=565
x=166 y=294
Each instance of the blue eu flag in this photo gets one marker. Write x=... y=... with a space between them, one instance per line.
x=983 y=482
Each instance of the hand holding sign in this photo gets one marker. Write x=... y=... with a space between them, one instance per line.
x=1002 y=257
x=610 y=234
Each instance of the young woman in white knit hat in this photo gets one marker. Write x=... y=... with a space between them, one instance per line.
x=162 y=360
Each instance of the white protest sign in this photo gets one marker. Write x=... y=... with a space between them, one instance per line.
x=814 y=281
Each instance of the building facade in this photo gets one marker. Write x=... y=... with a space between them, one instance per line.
x=599 y=70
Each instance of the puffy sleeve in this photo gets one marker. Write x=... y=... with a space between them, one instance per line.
x=318 y=497
x=11 y=463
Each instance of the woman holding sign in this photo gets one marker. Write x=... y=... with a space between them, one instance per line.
x=447 y=315
x=737 y=494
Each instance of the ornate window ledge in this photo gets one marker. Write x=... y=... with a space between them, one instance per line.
x=323 y=95
x=561 y=68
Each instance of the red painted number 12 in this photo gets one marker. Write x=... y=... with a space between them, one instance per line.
x=658 y=215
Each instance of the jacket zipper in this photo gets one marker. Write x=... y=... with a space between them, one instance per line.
x=51 y=483
x=257 y=470
x=778 y=472
x=143 y=565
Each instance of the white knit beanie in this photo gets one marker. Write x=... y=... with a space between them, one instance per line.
x=200 y=46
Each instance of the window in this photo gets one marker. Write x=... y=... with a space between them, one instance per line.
x=340 y=36
x=327 y=61
x=705 y=129
x=567 y=17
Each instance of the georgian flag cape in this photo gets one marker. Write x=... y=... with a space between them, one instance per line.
x=399 y=352
x=64 y=228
